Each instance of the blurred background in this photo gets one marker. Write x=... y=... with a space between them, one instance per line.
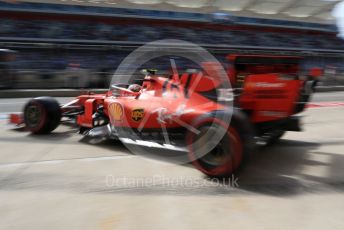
x=79 y=43
x=62 y=181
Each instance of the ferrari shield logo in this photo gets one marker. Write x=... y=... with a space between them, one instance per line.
x=116 y=111
x=137 y=114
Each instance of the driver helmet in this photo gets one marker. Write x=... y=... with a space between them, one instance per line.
x=135 y=88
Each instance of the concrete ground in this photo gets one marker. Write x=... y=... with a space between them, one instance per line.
x=60 y=182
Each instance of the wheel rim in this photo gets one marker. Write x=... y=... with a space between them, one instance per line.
x=216 y=157
x=33 y=115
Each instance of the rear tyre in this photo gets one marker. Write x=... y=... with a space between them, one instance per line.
x=228 y=154
x=42 y=115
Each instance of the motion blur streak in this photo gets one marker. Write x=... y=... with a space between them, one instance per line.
x=338 y=13
x=80 y=151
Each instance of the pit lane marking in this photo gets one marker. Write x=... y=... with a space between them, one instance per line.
x=3 y=117
x=11 y=103
x=6 y=115
x=325 y=104
x=47 y=162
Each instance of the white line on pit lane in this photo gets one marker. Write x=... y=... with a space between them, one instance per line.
x=46 y=162
x=4 y=116
x=11 y=103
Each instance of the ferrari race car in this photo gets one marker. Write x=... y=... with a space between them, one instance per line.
x=192 y=109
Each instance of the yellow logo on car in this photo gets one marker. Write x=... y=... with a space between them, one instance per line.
x=137 y=114
x=116 y=111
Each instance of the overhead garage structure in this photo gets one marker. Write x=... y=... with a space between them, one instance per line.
x=318 y=11
x=97 y=34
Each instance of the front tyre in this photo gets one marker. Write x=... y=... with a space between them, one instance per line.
x=42 y=115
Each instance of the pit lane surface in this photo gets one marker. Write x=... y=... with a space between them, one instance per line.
x=60 y=182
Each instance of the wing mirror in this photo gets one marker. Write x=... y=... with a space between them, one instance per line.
x=144 y=72
x=148 y=72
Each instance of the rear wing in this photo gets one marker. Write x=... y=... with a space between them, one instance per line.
x=261 y=64
x=264 y=59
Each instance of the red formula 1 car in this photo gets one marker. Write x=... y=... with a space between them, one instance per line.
x=191 y=108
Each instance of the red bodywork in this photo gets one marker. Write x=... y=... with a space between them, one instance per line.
x=267 y=88
x=271 y=86
x=269 y=97
x=267 y=91
x=16 y=119
x=161 y=101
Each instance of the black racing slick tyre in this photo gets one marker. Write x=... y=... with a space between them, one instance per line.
x=42 y=115
x=230 y=150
